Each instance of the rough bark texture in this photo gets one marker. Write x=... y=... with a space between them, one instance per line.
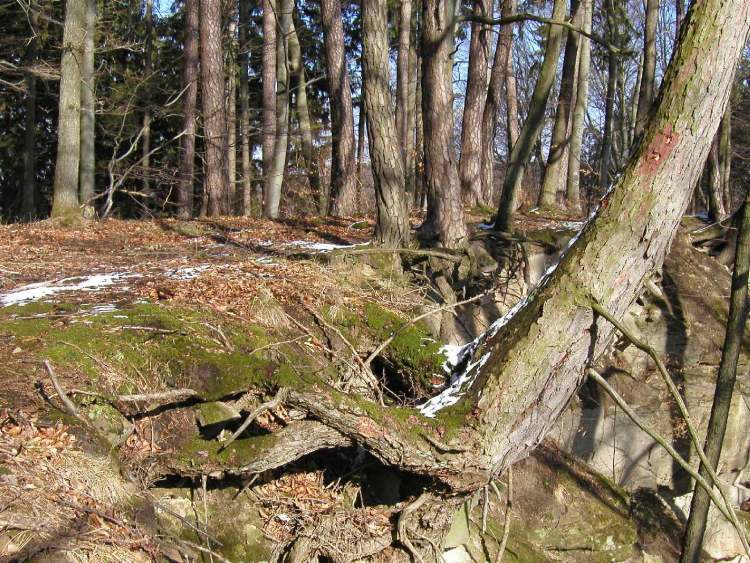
x=343 y=193
x=717 y=424
x=392 y=223
x=470 y=164
x=231 y=101
x=88 y=108
x=513 y=127
x=275 y=177
x=490 y=115
x=609 y=111
x=716 y=209
x=522 y=149
x=445 y=216
x=244 y=55
x=269 y=90
x=28 y=197
x=190 y=80
x=299 y=87
x=573 y=184
x=216 y=183
x=402 y=75
x=65 y=196
x=557 y=162
x=646 y=95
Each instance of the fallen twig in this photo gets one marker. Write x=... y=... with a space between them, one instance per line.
x=171 y=395
x=267 y=406
x=506 y=519
x=68 y=405
x=403 y=534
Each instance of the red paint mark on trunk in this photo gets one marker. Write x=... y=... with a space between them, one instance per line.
x=658 y=150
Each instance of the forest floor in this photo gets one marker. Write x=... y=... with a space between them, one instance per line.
x=128 y=307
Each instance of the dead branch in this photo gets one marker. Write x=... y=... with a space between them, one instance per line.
x=403 y=534
x=412 y=251
x=68 y=405
x=171 y=395
x=506 y=519
x=267 y=406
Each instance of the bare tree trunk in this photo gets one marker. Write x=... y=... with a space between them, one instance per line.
x=498 y=76
x=717 y=424
x=146 y=124
x=402 y=75
x=716 y=210
x=216 y=182
x=28 y=197
x=244 y=48
x=342 y=200
x=445 y=215
x=297 y=71
x=647 y=92
x=65 y=201
x=679 y=12
x=420 y=189
x=522 y=149
x=87 y=189
x=470 y=164
x=269 y=92
x=557 y=162
x=609 y=111
x=361 y=131
x=392 y=224
x=573 y=185
x=231 y=100
x=277 y=170
x=190 y=74
x=513 y=127
x=411 y=121
x=725 y=158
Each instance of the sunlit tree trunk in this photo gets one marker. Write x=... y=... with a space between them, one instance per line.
x=87 y=190
x=647 y=91
x=148 y=67
x=402 y=75
x=392 y=222
x=342 y=200
x=277 y=170
x=444 y=222
x=522 y=149
x=216 y=182
x=65 y=201
x=231 y=101
x=716 y=210
x=190 y=80
x=470 y=164
x=28 y=196
x=268 y=80
x=244 y=59
x=725 y=158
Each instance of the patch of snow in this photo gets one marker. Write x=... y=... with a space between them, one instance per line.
x=100 y=308
x=321 y=246
x=486 y=226
x=40 y=290
x=453 y=393
x=188 y=273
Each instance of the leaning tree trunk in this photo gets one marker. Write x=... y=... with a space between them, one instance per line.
x=342 y=200
x=65 y=195
x=647 y=91
x=522 y=149
x=268 y=80
x=725 y=380
x=470 y=164
x=392 y=222
x=492 y=105
x=190 y=80
x=523 y=372
x=277 y=170
x=244 y=48
x=216 y=182
x=557 y=162
x=28 y=197
x=297 y=70
x=88 y=109
x=445 y=215
x=573 y=185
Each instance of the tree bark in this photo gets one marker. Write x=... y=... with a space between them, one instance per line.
x=343 y=193
x=522 y=149
x=392 y=220
x=557 y=162
x=498 y=76
x=717 y=423
x=269 y=92
x=470 y=163
x=716 y=210
x=573 y=185
x=231 y=101
x=725 y=158
x=28 y=197
x=609 y=111
x=146 y=124
x=244 y=56
x=275 y=179
x=190 y=80
x=647 y=91
x=299 y=82
x=87 y=190
x=444 y=222
x=65 y=201
x=216 y=182
x=402 y=75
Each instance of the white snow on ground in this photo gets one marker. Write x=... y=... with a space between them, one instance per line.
x=321 y=246
x=486 y=226
x=37 y=291
x=187 y=273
